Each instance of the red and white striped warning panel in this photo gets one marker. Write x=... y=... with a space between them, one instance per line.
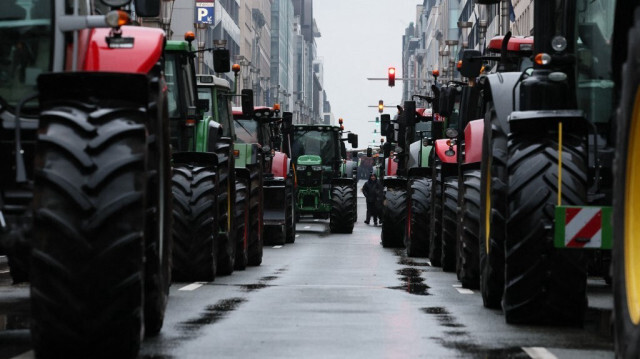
x=583 y=227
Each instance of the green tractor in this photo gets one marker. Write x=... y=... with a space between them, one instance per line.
x=326 y=184
x=406 y=178
x=207 y=238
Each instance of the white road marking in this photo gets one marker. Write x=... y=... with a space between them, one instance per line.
x=27 y=355
x=4 y=271
x=316 y=220
x=297 y=235
x=277 y=246
x=307 y=227
x=461 y=290
x=192 y=286
x=539 y=353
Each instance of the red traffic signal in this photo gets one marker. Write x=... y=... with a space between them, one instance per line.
x=392 y=76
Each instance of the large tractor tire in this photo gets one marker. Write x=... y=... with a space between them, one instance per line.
x=468 y=251
x=87 y=274
x=159 y=217
x=242 y=224
x=449 y=224
x=416 y=238
x=226 y=241
x=394 y=216
x=290 y=214
x=435 y=235
x=195 y=229
x=493 y=208
x=256 y=241
x=341 y=217
x=543 y=285
x=626 y=202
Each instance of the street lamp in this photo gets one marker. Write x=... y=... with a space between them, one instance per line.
x=165 y=16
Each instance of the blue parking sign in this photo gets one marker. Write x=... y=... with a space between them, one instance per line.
x=204 y=12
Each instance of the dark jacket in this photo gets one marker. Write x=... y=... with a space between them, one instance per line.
x=372 y=190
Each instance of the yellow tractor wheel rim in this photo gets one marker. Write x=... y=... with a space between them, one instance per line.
x=632 y=216
x=487 y=209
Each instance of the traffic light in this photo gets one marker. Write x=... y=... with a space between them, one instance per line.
x=380 y=106
x=392 y=76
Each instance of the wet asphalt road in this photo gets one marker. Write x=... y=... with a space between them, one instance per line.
x=336 y=296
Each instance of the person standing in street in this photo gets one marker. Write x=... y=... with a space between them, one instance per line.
x=372 y=190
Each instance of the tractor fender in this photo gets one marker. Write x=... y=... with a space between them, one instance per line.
x=146 y=51
x=280 y=164
x=441 y=148
x=420 y=172
x=350 y=170
x=394 y=182
x=501 y=86
x=543 y=120
x=207 y=159
x=417 y=159
x=473 y=141
x=342 y=181
x=392 y=167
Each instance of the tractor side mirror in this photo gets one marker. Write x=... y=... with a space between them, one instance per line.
x=385 y=126
x=410 y=113
x=287 y=122
x=369 y=152
x=147 y=8
x=471 y=63
x=352 y=138
x=221 y=60
x=247 y=103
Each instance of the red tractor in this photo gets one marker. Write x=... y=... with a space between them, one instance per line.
x=264 y=131
x=85 y=153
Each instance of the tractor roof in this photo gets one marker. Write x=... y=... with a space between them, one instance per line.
x=258 y=111
x=316 y=127
x=516 y=44
x=212 y=81
x=178 y=45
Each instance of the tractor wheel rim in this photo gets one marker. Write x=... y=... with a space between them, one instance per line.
x=631 y=216
x=487 y=209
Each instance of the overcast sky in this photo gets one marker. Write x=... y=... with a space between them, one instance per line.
x=361 y=39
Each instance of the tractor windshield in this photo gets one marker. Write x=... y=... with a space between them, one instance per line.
x=246 y=130
x=25 y=47
x=180 y=77
x=595 y=20
x=218 y=111
x=323 y=143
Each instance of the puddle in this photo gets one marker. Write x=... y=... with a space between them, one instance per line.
x=472 y=350
x=444 y=317
x=213 y=313
x=253 y=287
x=412 y=282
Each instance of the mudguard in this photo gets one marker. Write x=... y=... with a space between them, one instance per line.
x=280 y=165
x=441 y=148
x=419 y=172
x=196 y=158
x=417 y=159
x=473 y=141
x=344 y=181
x=501 y=85
x=147 y=49
x=547 y=119
x=350 y=170
x=394 y=182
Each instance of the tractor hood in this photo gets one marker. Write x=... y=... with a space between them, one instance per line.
x=309 y=160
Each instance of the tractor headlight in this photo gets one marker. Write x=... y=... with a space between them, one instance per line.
x=302 y=168
x=316 y=168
